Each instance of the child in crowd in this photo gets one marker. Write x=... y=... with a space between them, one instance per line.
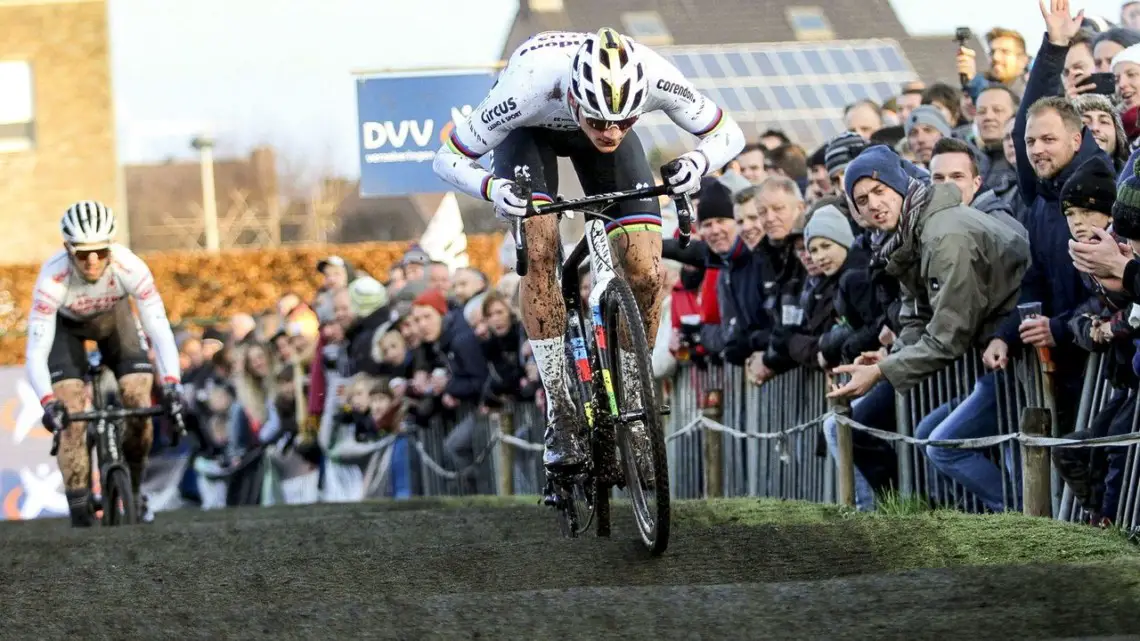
x=1102 y=325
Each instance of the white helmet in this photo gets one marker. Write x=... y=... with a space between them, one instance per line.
x=88 y=222
x=608 y=79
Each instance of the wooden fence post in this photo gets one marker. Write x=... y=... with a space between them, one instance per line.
x=1035 y=471
x=506 y=465
x=713 y=445
x=846 y=462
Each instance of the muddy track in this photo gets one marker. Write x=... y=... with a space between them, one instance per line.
x=411 y=571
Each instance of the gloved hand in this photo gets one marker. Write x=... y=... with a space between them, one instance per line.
x=172 y=400
x=684 y=174
x=505 y=194
x=55 y=416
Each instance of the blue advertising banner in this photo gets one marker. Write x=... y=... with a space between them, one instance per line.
x=404 y=118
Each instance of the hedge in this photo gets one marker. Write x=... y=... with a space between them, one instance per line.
x=196 y=285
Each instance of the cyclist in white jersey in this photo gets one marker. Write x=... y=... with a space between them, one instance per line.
x=577 y=95
x=82 y=294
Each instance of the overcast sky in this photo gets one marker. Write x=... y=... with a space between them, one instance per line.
x=251 y=72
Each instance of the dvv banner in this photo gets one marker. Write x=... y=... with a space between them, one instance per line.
x=404 y=118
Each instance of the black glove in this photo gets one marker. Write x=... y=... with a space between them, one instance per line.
x=55 y=416
x=173 y=400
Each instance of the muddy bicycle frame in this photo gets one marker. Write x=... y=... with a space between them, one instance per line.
x=595 y=244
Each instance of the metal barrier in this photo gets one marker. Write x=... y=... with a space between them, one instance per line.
x=727 y=437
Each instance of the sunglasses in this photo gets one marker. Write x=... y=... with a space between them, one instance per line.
x=597 y=124
x=83 y=254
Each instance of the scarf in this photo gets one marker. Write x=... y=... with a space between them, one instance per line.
x=918 y=196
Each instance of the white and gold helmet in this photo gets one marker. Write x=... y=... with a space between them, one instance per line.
x=608 y=78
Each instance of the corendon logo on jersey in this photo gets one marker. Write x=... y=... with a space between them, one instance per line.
x=676 y=89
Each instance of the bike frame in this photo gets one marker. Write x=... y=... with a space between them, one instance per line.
x=103 y=424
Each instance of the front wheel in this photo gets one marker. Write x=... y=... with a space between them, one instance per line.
x=640 y=435
x=119 y=501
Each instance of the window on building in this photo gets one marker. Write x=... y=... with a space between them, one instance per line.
x=17 y=109
x=809 y=23
x=646 y=27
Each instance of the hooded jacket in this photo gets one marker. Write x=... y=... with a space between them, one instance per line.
x=960 y=271
x=988 y=202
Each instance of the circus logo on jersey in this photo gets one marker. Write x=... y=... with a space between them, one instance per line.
x=500 y=110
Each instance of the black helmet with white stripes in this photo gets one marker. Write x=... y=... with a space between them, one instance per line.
x=88 y=222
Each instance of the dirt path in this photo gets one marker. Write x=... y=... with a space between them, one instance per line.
x=407 y=572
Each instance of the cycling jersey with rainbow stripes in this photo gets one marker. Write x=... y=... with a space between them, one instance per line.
x=531 y=92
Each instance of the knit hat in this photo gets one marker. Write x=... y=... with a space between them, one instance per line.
x=1131 y=54
x=1091 y=186
x=828 y=222
x=1086 y=102
x=715 y=200
x=432 y=298
x=818 y=157
x=841 y=150
x=1126 y=209
x=367 y=295
x=880 y=163
x=927 y=115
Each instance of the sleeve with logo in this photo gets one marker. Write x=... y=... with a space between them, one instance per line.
x=669 y=90
x=49 y=293
x=505 y=108
x=139 y=283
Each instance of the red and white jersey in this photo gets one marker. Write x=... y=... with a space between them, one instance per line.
x=61 y=290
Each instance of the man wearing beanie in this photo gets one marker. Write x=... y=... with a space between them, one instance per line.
x=841 y=150
x=369 y=302
x=933 y=246
x=1102 y=120
x=959 y=271
x=448 y=342
x=924 y=127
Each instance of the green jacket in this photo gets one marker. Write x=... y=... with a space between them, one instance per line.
x=960 y=272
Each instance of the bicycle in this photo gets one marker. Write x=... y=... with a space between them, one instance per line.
x=583 y=495
x=105 y=425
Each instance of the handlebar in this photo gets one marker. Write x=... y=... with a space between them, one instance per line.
x=682 y=202
x=115 y=414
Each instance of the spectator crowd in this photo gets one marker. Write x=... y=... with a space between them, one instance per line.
x=1001 y=215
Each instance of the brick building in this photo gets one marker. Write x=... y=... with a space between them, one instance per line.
x=57 y=125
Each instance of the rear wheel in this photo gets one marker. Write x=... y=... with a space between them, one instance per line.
x=576 y=509
x=120 y=505
x=642 y=454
